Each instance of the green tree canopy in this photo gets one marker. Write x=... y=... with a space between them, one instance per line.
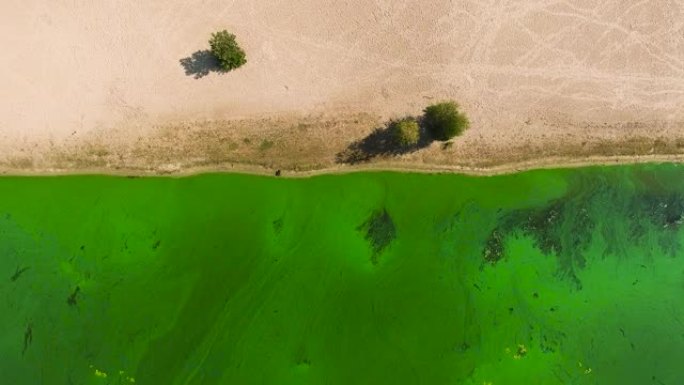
x=444 y=121
x=405 y=132
x=227 y=51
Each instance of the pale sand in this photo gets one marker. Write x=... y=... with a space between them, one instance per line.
x=97 y=86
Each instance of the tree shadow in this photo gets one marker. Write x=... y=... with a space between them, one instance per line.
x=200 y=64
x=380 y=143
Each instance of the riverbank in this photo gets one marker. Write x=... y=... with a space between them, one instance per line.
x=549 y=163
x=302 y=146
x=107 y=86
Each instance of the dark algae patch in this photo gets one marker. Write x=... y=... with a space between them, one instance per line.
x=379 y=231
x=545 y=277
x=18 y=273
x=562 y=228
x=28 y=337
x=73 y=297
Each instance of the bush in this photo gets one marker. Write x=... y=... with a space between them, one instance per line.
x=405 y=132
x=444 y=121
x=226 y=50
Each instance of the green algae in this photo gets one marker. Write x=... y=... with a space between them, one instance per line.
x=543 y=277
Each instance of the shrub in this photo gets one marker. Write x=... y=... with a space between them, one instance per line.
x=405 y=132
x=226 y=50
x=265 y=145
x=444 y=121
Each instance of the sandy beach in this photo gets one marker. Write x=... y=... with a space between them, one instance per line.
x=112 y=87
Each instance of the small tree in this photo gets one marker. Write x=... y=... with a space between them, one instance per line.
x=444 y=121
x=226 y=50
x=405 y=133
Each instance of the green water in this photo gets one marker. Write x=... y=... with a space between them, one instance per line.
x=545 y=277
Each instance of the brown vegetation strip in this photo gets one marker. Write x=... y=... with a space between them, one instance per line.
x=312 y=144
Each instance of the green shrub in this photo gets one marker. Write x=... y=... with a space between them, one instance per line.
x=405 y=132
x=265 y=145
x=226 y=50
x=444 y=121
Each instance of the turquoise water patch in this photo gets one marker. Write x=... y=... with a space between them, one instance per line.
x=544 y=277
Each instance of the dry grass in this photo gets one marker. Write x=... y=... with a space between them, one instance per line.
x=304 y=144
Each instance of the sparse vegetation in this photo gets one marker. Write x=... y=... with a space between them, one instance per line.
x=265 y=145
x=444 y=121
x=441 y=121
x=226 y=50
x=405 y=133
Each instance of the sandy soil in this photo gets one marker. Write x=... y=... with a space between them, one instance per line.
x=100 y=86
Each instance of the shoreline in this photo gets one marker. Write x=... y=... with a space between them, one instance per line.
x=543 y=85
x=247 y=169
x=309 y=145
